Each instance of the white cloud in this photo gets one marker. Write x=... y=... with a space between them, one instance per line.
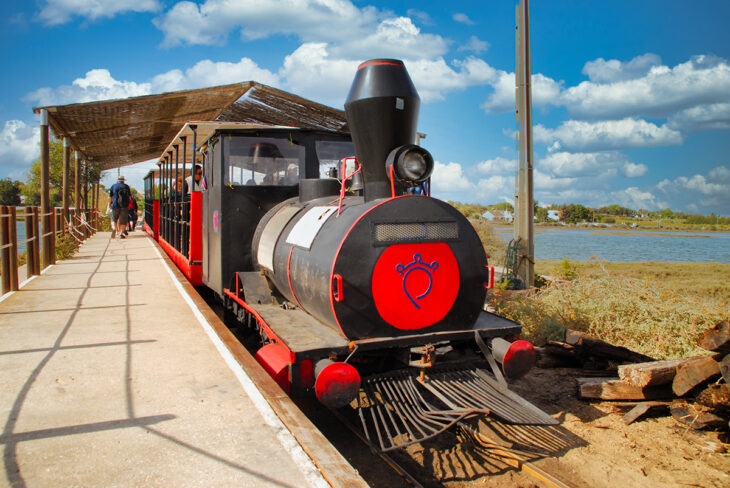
x=433 y=77
x=98 y=84
x=497 y=165
x=451 y=182
x=475 y=45
x=594 y=165
x=449 y=178
x=602 y=71
x=661 y=92
x=462 y=19
x=19 y=146
x=496 y=187
x=545 y=92
x=715 y=116
x=635 y=198
x=632 y=197
x=543 y=181
x=419 y=15
x=304 y=69
x=631 y=170
x=395 y=37
x=310 y=20
x=710 y=192
x=55 y=12
x=209 y=73
x=608 y=134
x=720 y=174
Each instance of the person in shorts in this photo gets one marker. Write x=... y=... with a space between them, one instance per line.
x=119 y=196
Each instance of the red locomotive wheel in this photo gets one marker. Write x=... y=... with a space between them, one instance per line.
x=415 y=285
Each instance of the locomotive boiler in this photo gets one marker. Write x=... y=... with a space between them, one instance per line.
x=386 y=263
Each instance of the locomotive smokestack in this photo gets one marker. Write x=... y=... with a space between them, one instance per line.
x=382 y=112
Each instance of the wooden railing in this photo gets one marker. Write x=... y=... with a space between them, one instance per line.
x=79 y=224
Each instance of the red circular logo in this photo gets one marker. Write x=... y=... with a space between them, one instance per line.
x=415 y=285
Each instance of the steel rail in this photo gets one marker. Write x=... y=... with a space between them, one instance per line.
x=385 y=457
x=514 y=457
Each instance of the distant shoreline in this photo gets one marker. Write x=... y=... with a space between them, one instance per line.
x=647 y=231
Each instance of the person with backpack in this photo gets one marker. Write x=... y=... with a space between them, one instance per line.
x=119 y=196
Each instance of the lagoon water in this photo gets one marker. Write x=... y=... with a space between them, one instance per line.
x=628 y=245
x=610 y=245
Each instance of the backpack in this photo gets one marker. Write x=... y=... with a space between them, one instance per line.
x=123 y=196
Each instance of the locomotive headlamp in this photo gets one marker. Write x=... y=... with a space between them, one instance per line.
x=411 y=164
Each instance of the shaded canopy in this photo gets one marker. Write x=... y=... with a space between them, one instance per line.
x=115 y=133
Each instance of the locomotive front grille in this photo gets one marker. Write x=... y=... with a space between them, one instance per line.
x=395 y=232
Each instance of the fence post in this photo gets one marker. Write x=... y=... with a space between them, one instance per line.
x=52 y=239
x=30 y=243
x=5 y=252
x=13 y=228
x=57 y=223
x=36 y=243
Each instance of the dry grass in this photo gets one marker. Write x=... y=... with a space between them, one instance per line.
x=702 y=280
x=658 y=309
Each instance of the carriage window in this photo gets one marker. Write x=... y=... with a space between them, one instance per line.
x=330 y=153
x=263 y=161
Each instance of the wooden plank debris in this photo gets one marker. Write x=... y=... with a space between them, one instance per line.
x=716 y=398
x=615 y=389
x=640 y=409
x=693 y=373
x=717 y=339
x=653 y=373
x=695 y=415
x=595 y=347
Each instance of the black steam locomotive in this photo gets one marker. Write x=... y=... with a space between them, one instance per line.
x=360 y=286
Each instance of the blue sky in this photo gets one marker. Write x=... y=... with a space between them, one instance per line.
x=631 y=99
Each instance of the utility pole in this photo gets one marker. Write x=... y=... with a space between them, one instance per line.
x=524 y=199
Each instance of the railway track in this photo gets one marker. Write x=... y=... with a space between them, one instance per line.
x=400 y=465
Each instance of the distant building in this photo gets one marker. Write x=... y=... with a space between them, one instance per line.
x=498 y=215
x=554 y=215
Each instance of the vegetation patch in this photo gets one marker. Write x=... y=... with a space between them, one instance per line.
x=636 y=309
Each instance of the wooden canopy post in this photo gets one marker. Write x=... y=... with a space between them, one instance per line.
x=65 y=190
x=96 y=205
x=85 y=182
x=77 y=188
x=47 y=257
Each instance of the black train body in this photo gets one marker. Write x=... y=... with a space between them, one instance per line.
x=386 y=263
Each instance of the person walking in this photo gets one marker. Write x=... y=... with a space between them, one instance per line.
x=119 y=196
x=132 y=214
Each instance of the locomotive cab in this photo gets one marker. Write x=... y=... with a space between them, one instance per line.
x=248 y=172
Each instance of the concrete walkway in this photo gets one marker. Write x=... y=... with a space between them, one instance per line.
x=108 y=378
